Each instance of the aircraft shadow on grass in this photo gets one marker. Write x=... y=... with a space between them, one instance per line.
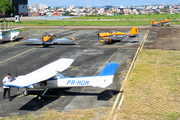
x=34 y=104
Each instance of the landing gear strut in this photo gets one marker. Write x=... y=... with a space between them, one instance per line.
x=40 y=97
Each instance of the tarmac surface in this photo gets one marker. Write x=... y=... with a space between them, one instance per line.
x=90 y=58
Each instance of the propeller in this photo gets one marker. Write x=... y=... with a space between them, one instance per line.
x=20 y=33
x=98 y=36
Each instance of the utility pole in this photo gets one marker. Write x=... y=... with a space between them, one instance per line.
x=4 y=20
x=11 y=10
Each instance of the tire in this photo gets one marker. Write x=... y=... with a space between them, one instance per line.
x=25 y=93
x=40 y=98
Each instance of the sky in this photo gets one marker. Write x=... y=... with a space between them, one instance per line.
x=59 y=3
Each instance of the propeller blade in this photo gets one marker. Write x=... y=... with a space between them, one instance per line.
x=98 y=36
x=20 y=33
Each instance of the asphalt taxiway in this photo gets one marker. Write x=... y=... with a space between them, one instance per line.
x=90 y=56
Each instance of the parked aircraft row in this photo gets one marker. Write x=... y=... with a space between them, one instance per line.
x=49 y=76
x=48 y=38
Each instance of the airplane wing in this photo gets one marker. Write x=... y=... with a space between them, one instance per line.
x=42 y=74
x=17 y=28
x=60 y=40
x=169 y=23
x=7 y=30
x=34 y=40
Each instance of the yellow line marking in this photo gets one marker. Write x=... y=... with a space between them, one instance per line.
x=44 y=95
x=127 y=75
x=30 y=50
x=18 y=55
x=20 y=95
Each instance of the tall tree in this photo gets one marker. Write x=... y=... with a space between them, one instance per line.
x=5 y=5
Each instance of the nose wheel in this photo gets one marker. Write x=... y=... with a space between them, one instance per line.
x=25 y=93
x=40 y=97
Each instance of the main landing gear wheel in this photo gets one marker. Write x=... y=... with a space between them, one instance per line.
x=40 y=98
x=25 y=93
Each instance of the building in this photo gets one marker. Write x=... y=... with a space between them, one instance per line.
x=21 y=7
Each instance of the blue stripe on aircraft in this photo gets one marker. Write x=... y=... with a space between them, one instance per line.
x=110 y=69
x=14 y=86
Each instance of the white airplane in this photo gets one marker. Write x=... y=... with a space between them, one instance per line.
x=49 y=77
x=10 y=34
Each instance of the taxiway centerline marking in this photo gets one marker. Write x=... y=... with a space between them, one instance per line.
x=17 y=55
x=31 y=49
x=127 y=75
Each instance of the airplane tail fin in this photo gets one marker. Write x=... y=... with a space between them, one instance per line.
x=134 y=31
x=107 y=74
x=72 y=38
x=56 y=13
x=153 y=22
x=110 y=69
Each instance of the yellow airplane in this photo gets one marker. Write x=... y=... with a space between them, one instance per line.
x=162 y=22
x=48 y=39
x=114 y=35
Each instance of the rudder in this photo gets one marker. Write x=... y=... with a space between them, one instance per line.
x=153 y=22
x=134 y=30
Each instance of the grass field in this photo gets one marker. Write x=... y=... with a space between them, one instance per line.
x=147 y=16
x=153 y=89
x=82 y=23
x=89 y=114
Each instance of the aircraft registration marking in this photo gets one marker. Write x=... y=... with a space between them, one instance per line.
x=79 y=82
x=120 y=36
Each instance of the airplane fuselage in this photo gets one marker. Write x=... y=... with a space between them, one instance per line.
x=65 y=82
x=9 y=35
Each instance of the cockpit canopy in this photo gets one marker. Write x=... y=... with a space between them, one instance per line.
x=112 y=31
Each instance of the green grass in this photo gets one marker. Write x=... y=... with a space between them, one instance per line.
x=148 y=16
x=152 y=91
x=89 y=114
x=81 y=23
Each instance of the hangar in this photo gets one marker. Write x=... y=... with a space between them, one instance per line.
x=21 y=7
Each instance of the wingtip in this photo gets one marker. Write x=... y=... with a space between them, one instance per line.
x=24 y=38
x=72 y=38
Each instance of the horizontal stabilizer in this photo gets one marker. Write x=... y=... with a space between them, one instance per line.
x=34 y=40
x=60 y=40
x=17 y=28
